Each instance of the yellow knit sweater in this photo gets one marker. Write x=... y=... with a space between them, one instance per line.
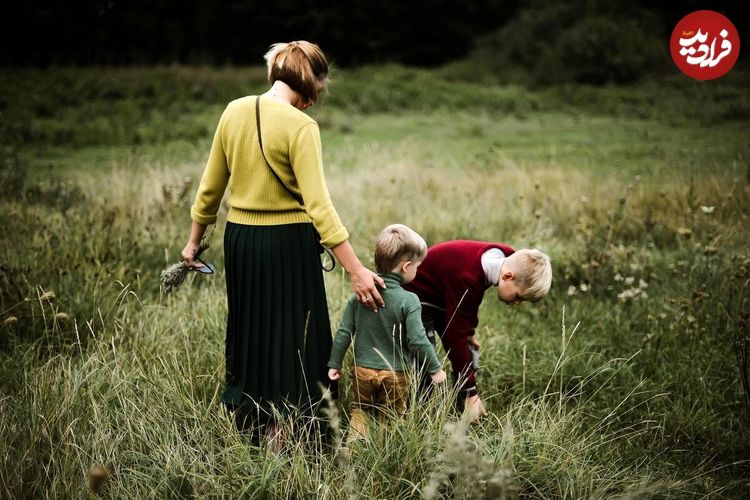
x=291 y=142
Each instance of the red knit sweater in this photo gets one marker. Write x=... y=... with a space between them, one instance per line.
x=452 y=277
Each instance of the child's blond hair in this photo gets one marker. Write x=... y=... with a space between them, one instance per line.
x=395 y=244
x=299 y=64
x=534 y=272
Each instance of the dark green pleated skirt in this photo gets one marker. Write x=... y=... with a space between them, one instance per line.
x=278 y=331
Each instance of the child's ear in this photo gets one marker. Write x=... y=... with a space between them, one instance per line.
x=405 y=265
x=508 y=275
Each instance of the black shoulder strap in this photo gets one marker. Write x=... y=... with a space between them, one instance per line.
x=295 y=196
x=260 y=143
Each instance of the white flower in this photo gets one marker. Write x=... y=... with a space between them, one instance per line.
x=642 y=284
x=618 y=277
x=625 y=294
x=629 y=280
x=707 y=210
x=584 y=287
x=572 y=290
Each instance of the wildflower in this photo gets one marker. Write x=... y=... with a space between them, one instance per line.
x=618 y=277
x=48 y=296
x=61 y=316
x=584 y=287
x=97 y=475
x=187 y=183
x=700 y=295
x=684 y=232
x=632 y=293
x=710 y=250
x=707 y=210
x=572 y=290
x=10 y=321
x=173 y=276
x=629 y=280
x=642 y=284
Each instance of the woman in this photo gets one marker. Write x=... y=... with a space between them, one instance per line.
x=268 y=152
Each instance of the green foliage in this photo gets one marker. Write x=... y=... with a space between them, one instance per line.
x=553 y=42
x=629 y=379
x=600 y=50
x=87 y=107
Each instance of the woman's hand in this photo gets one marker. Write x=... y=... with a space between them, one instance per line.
x=190 y=252
x=363 y=285
x=188 y=255
x=364 y=281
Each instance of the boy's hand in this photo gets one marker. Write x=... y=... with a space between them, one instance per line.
x=474 y=342
x=334 y=374
x=474 y=408
x=438 y=377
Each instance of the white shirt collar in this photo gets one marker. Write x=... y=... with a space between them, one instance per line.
x=492 y=263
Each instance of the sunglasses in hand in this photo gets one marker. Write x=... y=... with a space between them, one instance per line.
x=206 y=269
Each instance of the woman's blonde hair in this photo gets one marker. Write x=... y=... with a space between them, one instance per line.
x=395 y=244
x=299 y=64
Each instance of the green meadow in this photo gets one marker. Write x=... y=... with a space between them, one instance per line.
x=630 y=380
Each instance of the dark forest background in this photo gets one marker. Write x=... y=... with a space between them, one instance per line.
x=604 y=41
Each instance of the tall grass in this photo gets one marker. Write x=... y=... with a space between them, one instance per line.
x=626 y=381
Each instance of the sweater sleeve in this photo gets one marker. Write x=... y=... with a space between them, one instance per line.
x=214 y=181
x=344 y=335
x=306 y=156
x=417 y=337
x=462 y=317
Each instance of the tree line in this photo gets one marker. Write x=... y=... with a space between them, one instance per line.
x=528 y=34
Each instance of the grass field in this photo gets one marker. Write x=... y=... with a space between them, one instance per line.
x=630 y=380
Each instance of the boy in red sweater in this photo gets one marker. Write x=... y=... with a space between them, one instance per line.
x=450 y=284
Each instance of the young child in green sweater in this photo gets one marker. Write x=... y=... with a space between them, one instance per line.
x=384 y=341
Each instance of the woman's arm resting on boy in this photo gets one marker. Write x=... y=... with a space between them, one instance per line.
x=362 y=279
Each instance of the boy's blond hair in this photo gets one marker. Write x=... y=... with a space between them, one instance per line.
x=534 y=272
x=299 y=64
x=395 y=244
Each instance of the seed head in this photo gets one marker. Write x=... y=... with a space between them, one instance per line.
x=48 y=296
x=61 y=317
x=173 y=277
x=97 y=476
x=10 y=321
